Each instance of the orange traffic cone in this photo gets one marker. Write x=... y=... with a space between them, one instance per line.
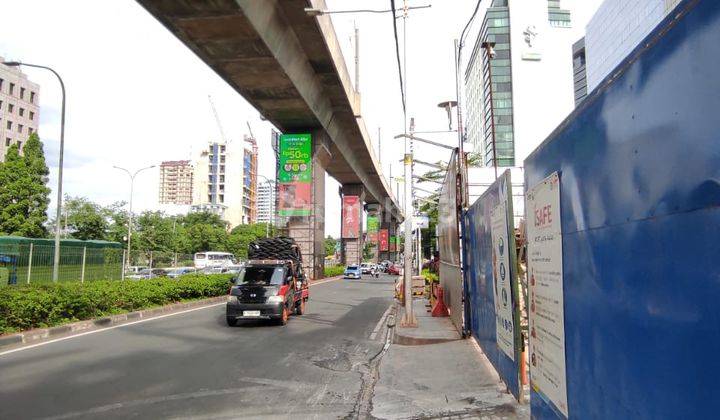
x=439 y=309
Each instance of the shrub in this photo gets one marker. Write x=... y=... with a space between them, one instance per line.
x=334 y=270
x=47 y=305
x=430 y=277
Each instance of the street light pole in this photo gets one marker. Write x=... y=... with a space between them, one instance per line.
x=130 y=214
x=56 y=257
x=267 y=224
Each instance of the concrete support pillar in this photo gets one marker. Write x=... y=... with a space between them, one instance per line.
x=309 y=231
x=351 y=244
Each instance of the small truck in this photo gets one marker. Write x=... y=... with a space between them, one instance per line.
x=272 y=285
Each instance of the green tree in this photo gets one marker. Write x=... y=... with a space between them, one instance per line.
x=202 y=232
x=85 y=219
x=24 y=195
x=117 y=219
x=154 y=232
x=330 y=244
x=241 y=236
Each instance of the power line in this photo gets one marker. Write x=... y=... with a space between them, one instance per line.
x=467 y=25
x=397 y=54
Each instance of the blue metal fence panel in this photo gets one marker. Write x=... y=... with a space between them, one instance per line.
x=640 y=205
x=478 y=272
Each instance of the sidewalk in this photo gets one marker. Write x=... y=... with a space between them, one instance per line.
x=431 y=372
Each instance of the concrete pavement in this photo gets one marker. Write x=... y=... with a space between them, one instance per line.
x=431 y=372
x=193 y=366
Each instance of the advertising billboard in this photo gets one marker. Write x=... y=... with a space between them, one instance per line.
x=373 y=223
x=295 y=175
x=351 y=212
x=393 y=243
x=383 y=239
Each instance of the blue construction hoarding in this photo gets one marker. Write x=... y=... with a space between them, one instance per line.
x=638 y=167
x=489 y=267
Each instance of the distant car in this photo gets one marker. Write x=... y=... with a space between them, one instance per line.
x=134 y=269
x=177 y=272
x=366 y=268
x=149 y=273
x=352 y=272
x=393 y=269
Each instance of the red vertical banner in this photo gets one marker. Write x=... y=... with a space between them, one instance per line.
x=383 y=239
x=351 y=216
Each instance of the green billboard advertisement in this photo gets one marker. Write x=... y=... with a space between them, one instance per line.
x=372 y=224
x=295 y=175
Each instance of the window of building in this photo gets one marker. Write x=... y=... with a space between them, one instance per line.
x=22 y=93
x=30 y=130
x=7 y=141
x=20 y=128
x=32 y=116
x=32 y=96
x=222 y=178
x=12 y=89
x=559 y=18
x=1 y=83
x=21 y=111
x=9 y=125
x=10 y=108
x=19 y=143
x=222 y=168
x=209 y=198
x=1 y=104
x=222 y=198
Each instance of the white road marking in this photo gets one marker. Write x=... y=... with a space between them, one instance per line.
x=32 y=346
x=380 y=323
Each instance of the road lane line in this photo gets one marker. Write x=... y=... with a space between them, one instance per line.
x=380 y=322
x=32 y=346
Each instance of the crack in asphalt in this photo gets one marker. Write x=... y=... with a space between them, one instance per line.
x=371 y=375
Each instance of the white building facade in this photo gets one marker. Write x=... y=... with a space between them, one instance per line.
x=266 y=202
x=219 y=181
x=19 y=108
x=616 y=29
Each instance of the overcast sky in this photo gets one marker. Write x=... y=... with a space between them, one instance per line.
x=136 y=96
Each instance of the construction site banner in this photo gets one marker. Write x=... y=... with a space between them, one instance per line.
x=351 y=211
x=491 y=276
x=295 y=175
x=449 y=244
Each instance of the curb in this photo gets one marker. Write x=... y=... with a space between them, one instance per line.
x=43 y=334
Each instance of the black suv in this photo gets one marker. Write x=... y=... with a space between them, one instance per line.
x=266 y=290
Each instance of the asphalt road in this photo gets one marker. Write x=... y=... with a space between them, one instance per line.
x=192 y=365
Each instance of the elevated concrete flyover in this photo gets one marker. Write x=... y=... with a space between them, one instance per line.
x=289 y=66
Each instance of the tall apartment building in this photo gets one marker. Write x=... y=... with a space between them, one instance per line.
x=616 y=29
x=250 y=186
x=19 y=107
x=220 y=184
x=176 y=182
x=266 y=202
x=579 y=71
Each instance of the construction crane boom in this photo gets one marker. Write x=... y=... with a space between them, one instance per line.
x=217 y=120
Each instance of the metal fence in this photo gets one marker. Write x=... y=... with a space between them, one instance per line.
x=31 y=263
